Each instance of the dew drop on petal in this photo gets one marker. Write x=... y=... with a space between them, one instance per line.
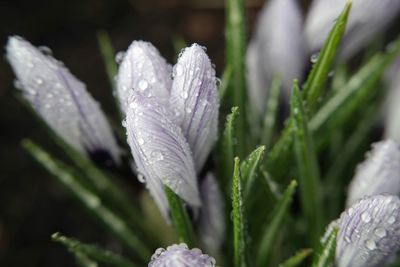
x=143 y=84
x=119 y=57
x=366 y=217
x=380 y=232
x=370 y=244
x=178 y=70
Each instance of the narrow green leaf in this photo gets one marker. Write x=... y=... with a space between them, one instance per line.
x=325 y=255
x=271 y=111
x=271 y=229
x=310 y=187
x=92 y=251
x=73 y=182
x=297 y=259
x=227 y=150
x=181 y=220
x=108 y=55
x=235 y=58
x=316 y=80
x=178 y=42
x=360 y=86
x=250 y=169
x=239 y=227
x=226 y=77
x=83 y=261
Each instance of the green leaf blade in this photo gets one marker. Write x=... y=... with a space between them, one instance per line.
x=309 y=180
x=250 y=168
x=325 y=256
x=272 y=229
x=297 y=259
x=320 y=71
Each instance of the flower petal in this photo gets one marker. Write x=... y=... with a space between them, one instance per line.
x=195 y=101
x=144 y=69
x=369 y=232
x=279 y=45
x=367 y=19
x=60 y=99
x=379 y=173
x=212 y=218
x=180 y=256
x=159 y=148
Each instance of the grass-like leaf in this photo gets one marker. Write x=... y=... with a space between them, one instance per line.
x=239 y=224
x=92 y=251
x=83 y=261
x=272 y=228
x=226 y=77
x=297 y=259
x=271 y=111
x=325 y=255
x=316 y=80
x=310 y=187
x=108 y=55
x=235 y=58
x=227 y=149
x=181 y=220
x=71 y=180
x=250 y=169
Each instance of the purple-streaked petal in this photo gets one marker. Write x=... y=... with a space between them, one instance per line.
x=369 y=232
x=159 y=148
x=195 y=101
x=378 y=174
x=144 y=69
x=367 y=19
x=212 y=218
x=180 y=256
x=60 y=99
x=277 y=48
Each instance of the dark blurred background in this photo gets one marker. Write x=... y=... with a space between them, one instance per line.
x=32 y=204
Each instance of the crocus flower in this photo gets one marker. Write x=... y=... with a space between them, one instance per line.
x=369 y=232
x=61 y=100
x=212 y=217
x=378 y=174
x=171 y=124
x=277 y=48
x=180 y=256
x=367 y=19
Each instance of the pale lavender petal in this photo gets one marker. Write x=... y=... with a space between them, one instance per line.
x=180 y=256
x=279 y=45
x=195 y=101
x=159 y=148
x=60 y=99
x=144 y=69
x=392 y=107
x=367 y=19
x=369 y=232
x=378 y=174
x=212 y=218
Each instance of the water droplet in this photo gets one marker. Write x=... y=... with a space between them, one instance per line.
x=185 y=95
x=365 y=217
x=119 y=57
x=370 y=244
x=188 y=110
x=141 y=141
x=347 y=239
x=133 y=104
x=157 y=253
x=178 y=70
x=45 y=50
x=141 y=178
x=18 y=84
x=314 y=58
x=157 y=155
x=143 y=84
x=380 y=232
x=124 y=123
x=391 y=220
x=39 y=81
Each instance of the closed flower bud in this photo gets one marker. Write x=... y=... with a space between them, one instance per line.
x=369 y=232
x=367 y=19
x=378 y=174
x=195 y=101
x=276 y=49
x=142 y=67
x=180 y=256
x=60 y=99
